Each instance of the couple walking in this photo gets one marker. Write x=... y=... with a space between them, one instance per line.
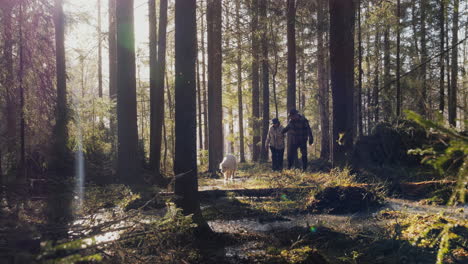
x=299 y=132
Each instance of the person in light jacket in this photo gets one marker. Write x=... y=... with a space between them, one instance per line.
x=275 y=141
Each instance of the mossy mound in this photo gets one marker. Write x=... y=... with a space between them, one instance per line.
x=388 y=145
x=344 y=200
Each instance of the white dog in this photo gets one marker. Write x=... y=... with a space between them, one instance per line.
x=228 y=167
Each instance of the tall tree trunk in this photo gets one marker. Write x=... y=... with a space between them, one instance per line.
x=265 y=78
x=386 y=105
x=255 y=84
x=205 y=89
x=9 y=83
x=322 y=83
x=227 y=31
x=127 y=132
x=375 y=93
x=291 y=39
x=61 y=131
x=359 y=97
x=215 y=111
x=291 y=73
x=239 y=83
x=170 y=105
x=99 y=31
x=157 y=90
x=422 y=104
x=199 y=107
x=342 y=77
x=112 y=65
x=441 y=59
x=369 y=109
x=447 y=57
x=153 y=64
x=185 y=163
x=452 y=102
x=398 y=66
x=275 y=67
x=59 y=200
x=22 y=166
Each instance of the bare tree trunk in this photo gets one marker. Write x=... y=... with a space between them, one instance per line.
x=359 y=103
x=99 y=31
x=157 y=89
x=227 y=32
x=185 y=163
x=291 y=46
x=127 y=132
x=422 y=104
x=171 y=116
x=59 y=199
x=255 y=84
x=375 y=95
x=322 y=83
x=215 y=111
x=239 y=84
x=452 y=102
x=9 y=84
x=386 y=105
x=22 y=167
x=275 y=68
x=342 y=77
x=398 y=66
x=205 y=90
x=61 y=131
x=441 y=59
x=265 y=78
x=112 y=66
x=291 y=38
x=199 y=108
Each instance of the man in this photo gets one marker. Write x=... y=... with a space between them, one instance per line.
x=299 y=131
x=275 y=141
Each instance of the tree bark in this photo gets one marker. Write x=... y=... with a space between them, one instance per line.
x=291 y=43
x=452 y=102
x=386 y=105
x=422 y=104
x=205 y=89
x=398 y=66
x=112 y=65
x=22 y=166
x=342 y=78
x=99 y=31
x=239 y=83
x=127 y=132
x=375 y=92
x=322 y=83
x=199 y=107
x=59 y=200
x=185 y=163
x=265 y=78
x=215 y=111
x=157 y=89
x=359 y=97
x=61 y=131
x=9 y=84
x=255 y=84
x=441 y=59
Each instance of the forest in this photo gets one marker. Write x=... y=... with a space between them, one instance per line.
x=234 y=131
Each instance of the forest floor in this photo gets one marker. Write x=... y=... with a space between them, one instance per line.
x=271 y=217
x=260 y=217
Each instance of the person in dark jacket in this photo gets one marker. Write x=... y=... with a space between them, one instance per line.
x=299 y=132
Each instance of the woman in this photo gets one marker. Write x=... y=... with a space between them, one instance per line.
x=275 y=141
